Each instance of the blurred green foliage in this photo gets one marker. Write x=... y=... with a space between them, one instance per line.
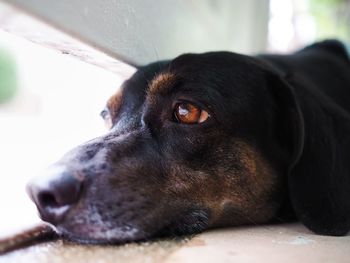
x=8 y=76
x=331 y=2
x=332 y=18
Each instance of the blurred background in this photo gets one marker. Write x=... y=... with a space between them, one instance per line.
x=51 y=91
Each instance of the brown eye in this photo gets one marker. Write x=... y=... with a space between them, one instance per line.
x=190 y=114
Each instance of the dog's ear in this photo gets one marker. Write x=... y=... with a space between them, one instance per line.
x=319 y=174
x=289 y=130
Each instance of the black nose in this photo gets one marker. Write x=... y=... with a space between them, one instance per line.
x=54 y=193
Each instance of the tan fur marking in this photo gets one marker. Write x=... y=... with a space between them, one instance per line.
x=255 y=186
x=254 y=163
x=262 y=175
x=114 y=103
x=241 y=191
x=161 y=83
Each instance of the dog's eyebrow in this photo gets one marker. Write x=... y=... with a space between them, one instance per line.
x=162 y=83
x=114 y=102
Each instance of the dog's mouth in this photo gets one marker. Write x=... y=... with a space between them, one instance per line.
x=94 y=235
x=191 y=222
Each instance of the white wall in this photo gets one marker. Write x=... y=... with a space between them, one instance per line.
x=140 y=31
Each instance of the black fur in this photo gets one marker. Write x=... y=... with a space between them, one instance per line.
x=319 y=182
x=151 y=175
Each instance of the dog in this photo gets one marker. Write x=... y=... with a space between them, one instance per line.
x=211 y=140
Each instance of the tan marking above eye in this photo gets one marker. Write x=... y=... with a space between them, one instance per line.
x=114 y=103
x=161 y=83
x=190 y=114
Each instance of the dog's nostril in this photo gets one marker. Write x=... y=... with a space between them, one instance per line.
x=47 y=199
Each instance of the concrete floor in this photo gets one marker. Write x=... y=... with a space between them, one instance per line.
x=279 y=243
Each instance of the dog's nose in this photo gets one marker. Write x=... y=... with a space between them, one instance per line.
x=54 y=193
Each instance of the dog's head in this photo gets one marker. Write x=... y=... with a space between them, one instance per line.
x=197 y=142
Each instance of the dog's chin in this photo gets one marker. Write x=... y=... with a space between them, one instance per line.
x=191 y=222
x=96 y=236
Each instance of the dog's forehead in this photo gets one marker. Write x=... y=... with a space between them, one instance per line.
x=222 y=72
x=135 y=87
x=193 y=64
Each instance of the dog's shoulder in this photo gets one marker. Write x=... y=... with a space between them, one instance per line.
x=310 y=58
x=328 y=47
x=323 y=67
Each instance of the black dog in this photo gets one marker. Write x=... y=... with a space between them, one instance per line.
x=212 y=140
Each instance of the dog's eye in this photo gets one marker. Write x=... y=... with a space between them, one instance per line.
x=107 y=118
x=190 y=114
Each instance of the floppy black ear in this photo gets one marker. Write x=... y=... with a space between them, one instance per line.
x=319 y=170
x=290 y=132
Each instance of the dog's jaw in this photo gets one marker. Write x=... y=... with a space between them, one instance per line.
x=96 y=235
x=90 y=227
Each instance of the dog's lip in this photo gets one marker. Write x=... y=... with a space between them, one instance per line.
x=88 y=235
x=92 y=241
x=53 y=214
